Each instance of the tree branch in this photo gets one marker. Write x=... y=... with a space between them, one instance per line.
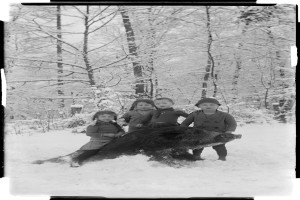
x=104 y=45
x=40 y=29
x=110 y=63
x=102 y=18
x=42 y=80
x=51 y=69
x=48 y=61
x=98 y=14
x=103 y=24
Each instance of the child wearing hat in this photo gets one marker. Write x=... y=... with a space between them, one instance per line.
x=164 y=116
x=138 y=110
x=101 y=130
x=211 y=119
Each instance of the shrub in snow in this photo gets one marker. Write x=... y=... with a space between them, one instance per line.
x=78 y=120
x=252 y=115
x=20 y=128
x=81 y=129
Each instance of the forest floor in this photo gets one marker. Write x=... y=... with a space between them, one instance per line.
x=261 y=163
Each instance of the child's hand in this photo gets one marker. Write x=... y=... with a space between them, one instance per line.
x=122 y=122
x=109 y=134
x=93 y=123
x=119 y=134
x=228 y=132
x=139 y=125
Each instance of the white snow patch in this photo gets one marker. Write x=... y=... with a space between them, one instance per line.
x=261 y=163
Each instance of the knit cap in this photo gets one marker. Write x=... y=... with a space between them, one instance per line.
x=208 y=100
x=148 y=101
x=165 y=98
x=103 y=112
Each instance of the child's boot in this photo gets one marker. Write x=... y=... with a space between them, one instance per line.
x=197 y=154
x=223 y=158
x=74 y=163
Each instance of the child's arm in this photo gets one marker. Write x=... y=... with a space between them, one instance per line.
x=145 y=119
x=230 y=123
x=182 y=113
x=190 y=119
x=92 y=129
x=119 y=133
x=122 y=122
x=126 y=117
x=113 y=134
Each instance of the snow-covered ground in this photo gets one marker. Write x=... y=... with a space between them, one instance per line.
x=261 y=163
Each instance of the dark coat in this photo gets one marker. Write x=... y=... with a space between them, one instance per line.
x=220 y=121
x=169 y=116
x=133 y=118
x=96 y=133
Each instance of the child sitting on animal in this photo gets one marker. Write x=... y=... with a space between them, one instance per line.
x=211 y=119
x=102 y=130
x=164 y=116
x=138 y=110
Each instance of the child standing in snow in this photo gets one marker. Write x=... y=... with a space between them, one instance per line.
x=138 y=110
x=211 y=119
x=164 y=116
x=102 y=130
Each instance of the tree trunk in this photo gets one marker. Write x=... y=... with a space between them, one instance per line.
x=151 y=50
x=85 y=49
x=59 y=58
x=236 y=75
x=137 y=67
x=208 y=69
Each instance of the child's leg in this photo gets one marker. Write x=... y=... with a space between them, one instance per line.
x=221 y=151
x=85 y=155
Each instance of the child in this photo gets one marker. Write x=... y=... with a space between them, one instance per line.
x=102 y=130
x=211 y=119
x=165 y=115
x=138 y=110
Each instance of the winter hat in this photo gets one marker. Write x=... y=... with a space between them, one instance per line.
x=162 y=98
x=208 y=100
x=149 y=101
x=103 y=112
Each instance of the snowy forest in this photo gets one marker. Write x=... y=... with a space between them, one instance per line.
x=62 y=60
x=64 y=63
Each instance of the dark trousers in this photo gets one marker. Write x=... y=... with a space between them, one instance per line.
x=220 y=149
x=85 y=155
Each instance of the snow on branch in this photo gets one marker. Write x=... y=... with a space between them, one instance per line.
x=41 y=29
x=21 y=81
x=66 y=70
x=115 y=12
x=98 y=14
x=110 y=63
x=48 y=61
x=104 y=23
x=104 y=45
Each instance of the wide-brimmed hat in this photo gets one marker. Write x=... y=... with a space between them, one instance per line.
x=208 y=100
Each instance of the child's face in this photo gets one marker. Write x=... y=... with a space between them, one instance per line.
x=106 y=117
x=208 y=106
x=143 y=106
x=162 y=104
